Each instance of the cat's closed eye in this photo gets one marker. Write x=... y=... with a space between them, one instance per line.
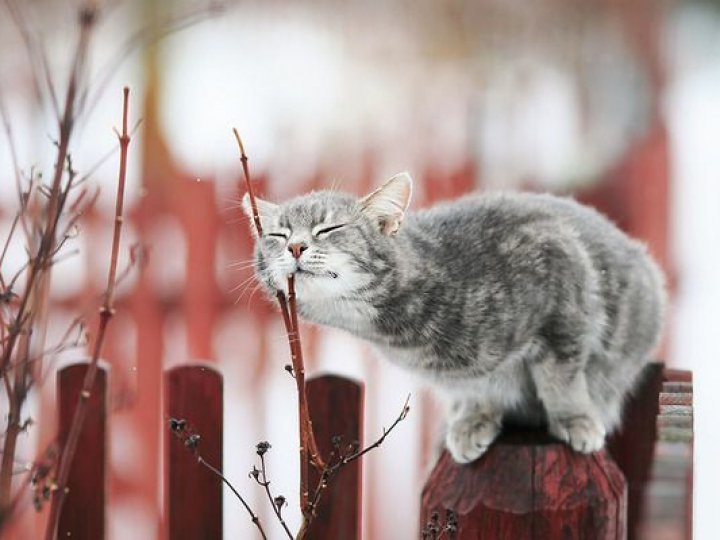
x=278 y=235
x=326 y=230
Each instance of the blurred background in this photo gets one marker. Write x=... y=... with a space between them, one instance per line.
x=616 y=102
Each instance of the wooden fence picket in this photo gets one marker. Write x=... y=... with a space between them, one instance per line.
x=84 y=510
x=193 y=494
x=336 y=407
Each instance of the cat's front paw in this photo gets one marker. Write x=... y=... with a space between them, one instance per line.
x=468 y=438
x=582 y=432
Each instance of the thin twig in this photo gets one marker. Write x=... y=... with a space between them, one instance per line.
x=11 y=147
x=309 y=452
x=146 y=35
x=30 y=46
x=106 y=313
x=255 y=519
x=9 y=237
x=248 y=184
x=35 y=296
x=265 y=483
x=435 y=529
x=191 y=440
x=331 y=470
x=92 y=169
x=47 y=240
x=403 y=414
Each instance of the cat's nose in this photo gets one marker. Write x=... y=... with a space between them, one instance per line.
x=297 y=249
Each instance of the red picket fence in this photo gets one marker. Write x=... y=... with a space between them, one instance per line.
x=527 y=485
x=193 y=505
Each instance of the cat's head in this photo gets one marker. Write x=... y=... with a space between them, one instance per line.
x=334 y=243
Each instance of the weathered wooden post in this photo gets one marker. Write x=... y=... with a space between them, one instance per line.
x=193 y=494
x=528 y=486
x=83 y=513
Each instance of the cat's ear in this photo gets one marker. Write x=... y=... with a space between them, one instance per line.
x=268 y=211
x=387 y=204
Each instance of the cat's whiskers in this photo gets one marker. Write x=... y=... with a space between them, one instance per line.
x=334 y=185
x=242 y=261
x=243 y=268
x=240 y=219
x=239 y=267
x=243 y=283
x=260 y=275
x=235 y=202
x=255 y=289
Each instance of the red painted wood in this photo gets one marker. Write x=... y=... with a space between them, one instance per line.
x=667 y=502
x=528 y=486
x=638 y=452
x=83 y=513
x=193 y=494
x=336 y=408
x=632 y=446
x=686 y=377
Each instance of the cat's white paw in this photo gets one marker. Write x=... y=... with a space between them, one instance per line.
x=468 y=438
x=582 y=432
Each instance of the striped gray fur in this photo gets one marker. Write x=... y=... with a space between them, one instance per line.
x=512 y=305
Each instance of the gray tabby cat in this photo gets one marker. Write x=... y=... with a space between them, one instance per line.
x=514 y=306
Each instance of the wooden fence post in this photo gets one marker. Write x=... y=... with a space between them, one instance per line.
x=529 y=486
x=633 y=445
x=667 y=504
x=83 y=512
x=654 y=451
x=193 y=494
x=336 y=409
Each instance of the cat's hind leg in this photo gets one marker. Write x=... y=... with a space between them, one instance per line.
x=472 y=427
x=571 y=414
